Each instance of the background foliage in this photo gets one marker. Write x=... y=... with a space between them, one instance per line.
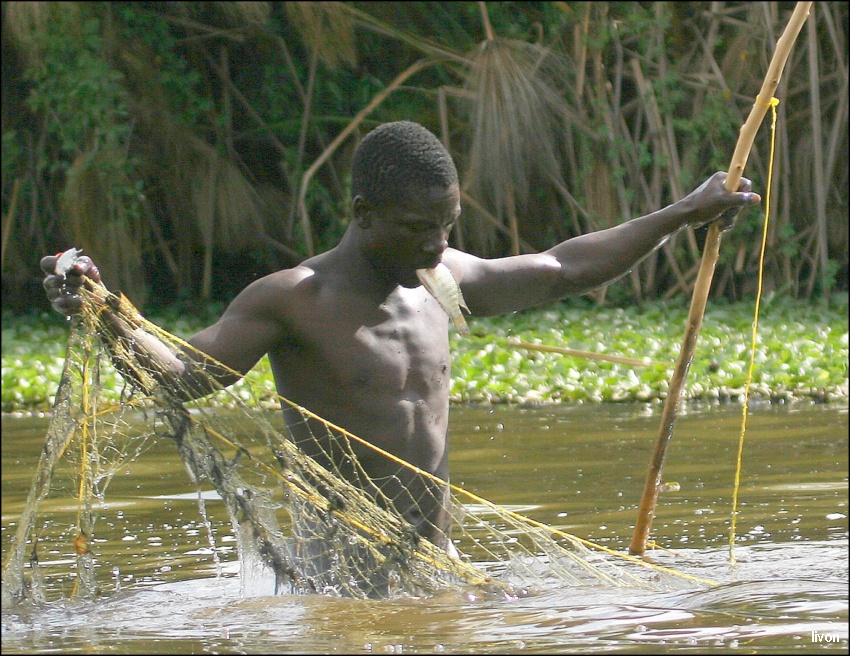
x=190 y=148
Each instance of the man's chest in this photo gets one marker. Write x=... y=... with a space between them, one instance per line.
x=398 y=346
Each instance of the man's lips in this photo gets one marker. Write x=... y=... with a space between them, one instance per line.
x=431 y=263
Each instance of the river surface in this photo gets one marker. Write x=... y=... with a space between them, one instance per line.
x=173 y=590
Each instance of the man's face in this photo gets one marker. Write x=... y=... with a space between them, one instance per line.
x=412 y=234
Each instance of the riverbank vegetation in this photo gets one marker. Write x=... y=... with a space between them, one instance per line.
x=191 y=147
x=802 y=354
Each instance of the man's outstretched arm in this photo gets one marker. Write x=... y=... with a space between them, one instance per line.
x=188 y=373
x=588 y=261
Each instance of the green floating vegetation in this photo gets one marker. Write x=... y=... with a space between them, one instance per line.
x=802 y=354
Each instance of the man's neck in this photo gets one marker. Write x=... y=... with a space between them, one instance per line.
x=350 y=258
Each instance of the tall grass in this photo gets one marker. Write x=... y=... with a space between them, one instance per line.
x=184 y=144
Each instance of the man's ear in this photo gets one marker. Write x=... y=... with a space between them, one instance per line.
x=362 y=211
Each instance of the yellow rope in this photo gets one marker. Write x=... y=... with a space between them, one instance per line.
x=773 y=103
x=501 y=509
x=81 y=541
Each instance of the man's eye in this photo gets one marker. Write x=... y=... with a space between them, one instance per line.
x=420 y=227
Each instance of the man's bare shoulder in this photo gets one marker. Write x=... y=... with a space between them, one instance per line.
x=283 y=280
x=273 y=291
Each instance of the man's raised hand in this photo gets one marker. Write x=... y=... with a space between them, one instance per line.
x=713 y=202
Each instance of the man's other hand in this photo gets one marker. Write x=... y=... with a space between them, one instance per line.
x=63 y=288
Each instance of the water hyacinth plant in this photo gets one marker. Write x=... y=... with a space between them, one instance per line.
x=802 y=355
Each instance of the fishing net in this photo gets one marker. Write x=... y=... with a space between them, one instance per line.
x=298 y=499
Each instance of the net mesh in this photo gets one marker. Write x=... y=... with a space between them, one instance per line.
x=298 y=499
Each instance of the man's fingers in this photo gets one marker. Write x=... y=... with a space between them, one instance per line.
x=745 y=184
x=63 y=290
x=48 y=263
x=749 y=198
x=746 y=194
x=85 y=267
x=82 y=267
x=726 y=221
x=743 y=197
x=68 y=303
x=74 y=278
x=52 y=287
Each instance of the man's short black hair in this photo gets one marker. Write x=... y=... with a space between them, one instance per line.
x=396 y=159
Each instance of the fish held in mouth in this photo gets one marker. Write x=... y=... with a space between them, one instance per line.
x=442 y=285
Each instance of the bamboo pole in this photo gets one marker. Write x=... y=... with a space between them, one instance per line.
x=711 y=251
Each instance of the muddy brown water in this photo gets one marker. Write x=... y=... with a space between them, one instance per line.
x=170 y=589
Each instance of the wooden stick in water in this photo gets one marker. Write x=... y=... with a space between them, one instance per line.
x=586 y=354
x=702 y=286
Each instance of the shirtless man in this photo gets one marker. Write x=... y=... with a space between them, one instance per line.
x=353 y=336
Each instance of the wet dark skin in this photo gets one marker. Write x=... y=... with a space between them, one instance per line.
x=353 y=337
